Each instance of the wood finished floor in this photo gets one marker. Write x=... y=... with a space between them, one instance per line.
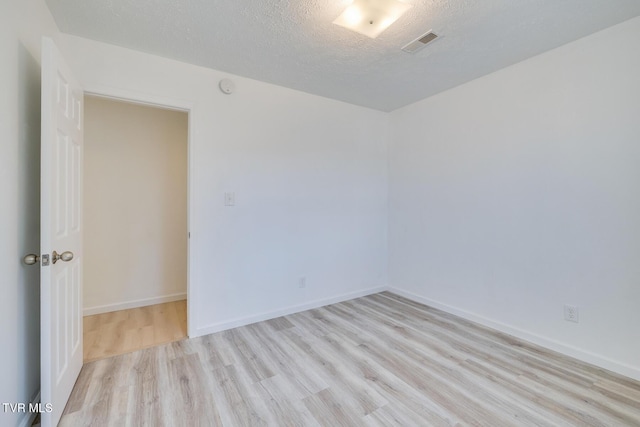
x=379 y=360
x=124 y=331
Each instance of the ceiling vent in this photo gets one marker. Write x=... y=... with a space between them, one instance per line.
x=420 y=42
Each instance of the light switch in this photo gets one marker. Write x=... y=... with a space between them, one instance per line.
x=229 y=199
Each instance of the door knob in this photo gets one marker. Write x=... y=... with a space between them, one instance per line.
x=65 y=256
x=31 y=259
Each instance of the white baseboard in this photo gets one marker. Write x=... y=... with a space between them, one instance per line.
x=88 y=311
x=242 y=321
x=576 y=353
x=28 y=417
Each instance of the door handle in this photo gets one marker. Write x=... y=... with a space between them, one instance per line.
x=31 y=259
x=65 y=256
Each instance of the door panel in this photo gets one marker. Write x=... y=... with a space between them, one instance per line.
x=61 y=230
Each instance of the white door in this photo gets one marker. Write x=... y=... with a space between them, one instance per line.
x=61 y=232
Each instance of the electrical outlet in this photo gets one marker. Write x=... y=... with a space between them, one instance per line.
x=302 y=283
x=571 y=313
x=229 y=199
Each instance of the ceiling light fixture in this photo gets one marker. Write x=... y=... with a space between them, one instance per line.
x=371 y=17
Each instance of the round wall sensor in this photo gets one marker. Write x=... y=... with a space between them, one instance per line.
x=227 y=86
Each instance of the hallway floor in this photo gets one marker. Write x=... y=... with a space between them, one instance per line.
x=124 y=331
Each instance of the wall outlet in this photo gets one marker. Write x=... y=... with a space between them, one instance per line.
x=571 y=313
x=302 y=282
x=229 y=199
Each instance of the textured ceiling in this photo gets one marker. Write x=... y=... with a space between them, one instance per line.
x=293 y=43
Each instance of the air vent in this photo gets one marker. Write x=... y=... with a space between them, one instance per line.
x=420 y=42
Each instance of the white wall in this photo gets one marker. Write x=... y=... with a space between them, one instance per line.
x=21 y=27
x=309 y=176
x=135 y=205
x=520 y=191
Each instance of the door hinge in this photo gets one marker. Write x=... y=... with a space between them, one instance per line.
x=45 y=260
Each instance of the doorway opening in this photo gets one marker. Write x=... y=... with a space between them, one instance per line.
x=135 y=226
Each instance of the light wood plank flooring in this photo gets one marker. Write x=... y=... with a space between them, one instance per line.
x=124 y=331
x=379 y=360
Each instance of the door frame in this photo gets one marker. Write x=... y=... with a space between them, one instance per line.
x=166 y=103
